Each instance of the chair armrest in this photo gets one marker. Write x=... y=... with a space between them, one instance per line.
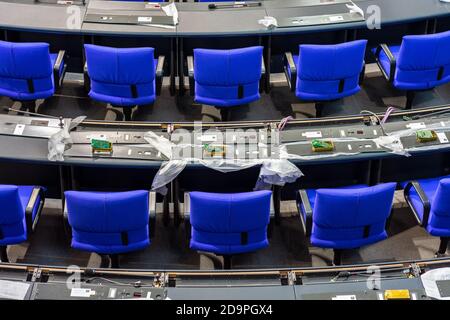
x=303 y=200
x=271 y=217
x=87 y=80
x=187 y=215
x=263 y=66
x=288 y=62
x=362 y=74
x=160 y=66
x=423 y=198
x=37 y=193
x=190 y=66
x=159 y=74
x=152 y=213
x=56 y=77
x=66 y=225
x=392 y=61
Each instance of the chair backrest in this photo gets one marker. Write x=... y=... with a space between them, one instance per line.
x=350 y=218
x=328 y=72
x=423 y=61
x=225 y=78
x=229 y=223
x=440 y=207
x=26 y=71
x=108 y=222
x=12 y=216
x=121 y=76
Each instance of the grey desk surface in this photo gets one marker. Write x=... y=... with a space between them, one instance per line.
x=359 y=289
x=197 y=20
x=223 y=21
x=123 y=8
x=40 y=17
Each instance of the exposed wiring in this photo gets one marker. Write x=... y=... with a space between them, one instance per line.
x=283 y=122
x=136 y=284
x=378 y=118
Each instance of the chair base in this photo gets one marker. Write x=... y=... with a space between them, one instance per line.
x=227 y=262
x=3 y=254
x=110 y=261
x=29 y=105
x=319 y=109
x=225 y=114
x=442 y=247
x=337 y=258
x=410 y=95
x=127 y=112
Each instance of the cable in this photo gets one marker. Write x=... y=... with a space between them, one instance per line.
x=136 y=284
x=378 y=118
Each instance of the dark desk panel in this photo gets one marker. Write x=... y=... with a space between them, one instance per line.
x=233 y=293
x=327 y=291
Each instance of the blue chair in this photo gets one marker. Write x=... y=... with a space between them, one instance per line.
x=109 y=224
x=421 y=62
x=123 y=77
x=429 y=200
x=346 y=218
x=29 y=72
x=226 y=78
x=322 y=73
x=229 y=223
x=21 y=209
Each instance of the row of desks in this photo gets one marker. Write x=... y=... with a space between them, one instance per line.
x=195 y=19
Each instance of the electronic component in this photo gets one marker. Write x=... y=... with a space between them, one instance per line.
x=211 y=150
x=397 y=295
x=322 y=145
x=101 y=146
x=426 y=136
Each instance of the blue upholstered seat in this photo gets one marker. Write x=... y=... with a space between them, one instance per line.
x=227 y=224
x=328 y=72
x=26 y=71
x=109 y=223
x=421 y=61
x=349 y=217
x=436 y=218
x=123 y=77
x=226 y=78
x=19 y=214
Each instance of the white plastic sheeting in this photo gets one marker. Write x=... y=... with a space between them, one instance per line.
x=61 y=140
x=273 y=171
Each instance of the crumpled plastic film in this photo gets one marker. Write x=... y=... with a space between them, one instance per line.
x=168 y=171
x=160 y=143
x=429 y=279
x=268 y=22
x=277 y=172
x=353 y=8
x=61 y=140
x=228 y=165
x=393 y=143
